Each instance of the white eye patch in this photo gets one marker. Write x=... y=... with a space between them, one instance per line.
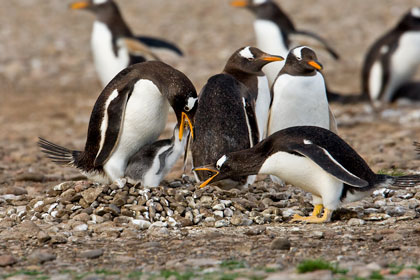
x=415 y=12
x=246 y=53
x=220 y=162
x=190 y=103
x=259 y=2
x=97 y=2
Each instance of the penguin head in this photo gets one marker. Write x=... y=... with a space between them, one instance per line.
x=411 y=20
x=249 y=60
x=95 y=6
x=253 y=5
x=302 y=60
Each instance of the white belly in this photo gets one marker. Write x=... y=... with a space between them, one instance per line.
x=269 y=39
x=305 y=174
x=375 y=80
x=299 y=101
x=106 y=63
x=262 y=106
x=144 y=120
x=404 y=62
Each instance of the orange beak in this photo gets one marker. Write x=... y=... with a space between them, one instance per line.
x=184 y=118
x=315 y=64
x=209 y=179
x=273 y=58
x=79 y=5
x=239 y=3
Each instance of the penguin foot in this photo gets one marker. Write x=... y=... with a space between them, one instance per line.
x=314 y=219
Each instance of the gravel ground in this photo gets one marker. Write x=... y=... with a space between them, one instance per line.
x=54 y=223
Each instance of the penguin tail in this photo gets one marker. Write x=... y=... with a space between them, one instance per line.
x=417 y=146
x=58 y=154
x=406 y=181
x=332 y=52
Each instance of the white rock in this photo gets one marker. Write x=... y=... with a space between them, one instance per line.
x=356 y=222
x=221 y=223
x=81 y=227
x=142 y=224
x=218 y=213
x=219 y=206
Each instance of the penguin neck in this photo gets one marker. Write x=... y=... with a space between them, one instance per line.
x=294 y=71
x=113 y=19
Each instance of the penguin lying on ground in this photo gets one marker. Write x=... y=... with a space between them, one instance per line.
x=129 y=113
x=311 y=158
x=393 y=60
x=273 y=29
x=152 y=162
x=113 y=44
x=225 y=120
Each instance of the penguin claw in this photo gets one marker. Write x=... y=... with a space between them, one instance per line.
x=314 y=219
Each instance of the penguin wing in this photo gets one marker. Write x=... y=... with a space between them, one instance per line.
x=333 y=122
x=111 y=123
x=326 y=161
x=137 y=48
x=159 y=43
x=249 y=108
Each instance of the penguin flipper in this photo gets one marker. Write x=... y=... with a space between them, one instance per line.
x=137 y=48
x=159 y=43
x=249 y=108
x=333 y=53
x=326 y=161
x=112 y=122
x=333 y=122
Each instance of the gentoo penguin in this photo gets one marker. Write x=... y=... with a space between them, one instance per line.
x=114 y=45
x=129 y=113
x=299 y=94
x=273 y=29
x=152 y=162
x=311 y=158
x=225 y=120
x=392 y=60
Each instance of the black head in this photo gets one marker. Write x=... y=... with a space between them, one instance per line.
x=301 y=61
x=411 y=20
x=102 y=8
x=249 y=60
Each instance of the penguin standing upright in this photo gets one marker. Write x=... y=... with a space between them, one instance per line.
x=129 y=113
x=393 y=60
x=273 y=29
x=152 y=162
x=299 y=94
x=313 y=159
x=225 y=120
x=114 y=45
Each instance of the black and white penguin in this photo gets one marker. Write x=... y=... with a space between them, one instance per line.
x=273 y=29
x=114 y=45
x=311 y=158
x=299 y=94
x=130 y=112
x=225 y=120
x=393 y=60
x=152 y=162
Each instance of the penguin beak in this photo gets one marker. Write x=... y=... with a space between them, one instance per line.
x=271 y=58
x=79 y=5
x=185 y=118
x=206 y=168
x=239 y=3
x=315 y=64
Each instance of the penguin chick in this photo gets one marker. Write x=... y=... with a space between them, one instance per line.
x=151 y=163
x=129 y=113
x=313 y=159
x=273 y=29
x=225 y=120
x=393 y=60
x=114 y=45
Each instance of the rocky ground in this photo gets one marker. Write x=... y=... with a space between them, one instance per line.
x=55 y=224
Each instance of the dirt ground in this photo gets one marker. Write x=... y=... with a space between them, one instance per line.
x=49 y=85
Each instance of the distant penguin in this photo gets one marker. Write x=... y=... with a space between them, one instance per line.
x=393 y=60
x=313 y=159
x=129 y=113
x=273 y=29
x=152 y=162
x=225 y=120
x=299 y=94
x=113 y=44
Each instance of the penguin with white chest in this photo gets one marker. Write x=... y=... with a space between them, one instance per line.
x=129 y=113
x=152 y=162
x=114 y=45
x=226 y=118
x=393 y=60
x=299 y=94
x=313 y=159
x=273 y=29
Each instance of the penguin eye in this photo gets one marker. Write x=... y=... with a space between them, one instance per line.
x=186 y=108
x=298 y=58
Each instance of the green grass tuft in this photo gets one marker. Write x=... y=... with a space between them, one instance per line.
x=376 y=276
x=392 y=172
x=232 y=264
x=318 y=264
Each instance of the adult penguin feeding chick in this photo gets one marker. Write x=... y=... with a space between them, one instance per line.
x=130 y=112
x=299 y=94
x=393 y=60
x=114 y=45
x=232 y=109
x=273 y=29
x=313 y=159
